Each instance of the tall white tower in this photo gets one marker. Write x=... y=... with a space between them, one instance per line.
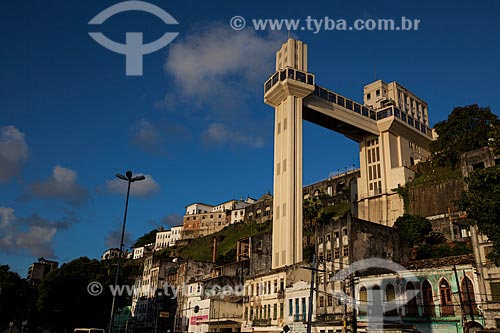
x=285 y=92
x=391 y=128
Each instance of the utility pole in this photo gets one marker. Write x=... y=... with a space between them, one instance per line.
x=311 y=295
x=464 y=315
x=469 y=301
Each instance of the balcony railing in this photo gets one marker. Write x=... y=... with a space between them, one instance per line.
x=262 y=322
x=288 y=73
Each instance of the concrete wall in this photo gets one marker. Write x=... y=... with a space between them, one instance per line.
x=435 y=199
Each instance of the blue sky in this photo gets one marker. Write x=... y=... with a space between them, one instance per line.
x=195 y=123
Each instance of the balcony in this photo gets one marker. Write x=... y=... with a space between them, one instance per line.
x=261 y=322
x=281 y=294
x=288 y=73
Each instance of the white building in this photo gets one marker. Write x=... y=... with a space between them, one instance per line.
x=111 y=254
x=237 y=215
x=176 y=234
x=138 y=252
x=162 y=239
x=198 y=208
x=265 y=305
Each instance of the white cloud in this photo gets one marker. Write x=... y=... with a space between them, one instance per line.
x=141 y=188
x=218 y=134
x=219 y=67
x=60 y=185
x=33 y=234
x=13 y=152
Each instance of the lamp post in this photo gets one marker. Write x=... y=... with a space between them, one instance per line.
x=128 y=177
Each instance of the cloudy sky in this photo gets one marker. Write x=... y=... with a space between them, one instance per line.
x=195 y=123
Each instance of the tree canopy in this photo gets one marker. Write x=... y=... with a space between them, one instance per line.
x=415 y=228
x=481 y=200
x=145 y=239
x=467 y=128
x=17 y=299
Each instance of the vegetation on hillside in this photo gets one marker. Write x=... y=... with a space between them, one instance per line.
x=425 y=242
x=467 y=128
x=202 y=248
x=147 y=238
x=481 y=200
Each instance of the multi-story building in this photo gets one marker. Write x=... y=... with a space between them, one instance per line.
x=202 y=219
x=265 y=302
x=140 y=252
x=261 y=210
x=488 y=272
x=114 y=253
x=152 y=294
x=391 y=139
x=38 y=270
x=432 y=295
x=168 y=238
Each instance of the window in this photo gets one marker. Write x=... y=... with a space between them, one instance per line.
x=363 y=301
x=468 y=296
x=330 y=301
x=445 y=295
x=304 y=308
x=368 y=96
x=275 y=311
x=346 y=251
x=377 y=93
x=321 y=301
x=290 y=307
x=428 y=309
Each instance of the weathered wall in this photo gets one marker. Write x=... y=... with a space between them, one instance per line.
x=435 y=198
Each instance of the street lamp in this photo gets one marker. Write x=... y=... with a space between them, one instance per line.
x=128 y=177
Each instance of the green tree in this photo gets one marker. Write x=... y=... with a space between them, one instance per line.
x=64 y=301
x=313 y=211
x=415 y=228
x=467 y=128
x=481 y=200
x=17 y=300
x=145 y=239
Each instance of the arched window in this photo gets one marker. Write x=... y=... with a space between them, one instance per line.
x=411 y=305
x=267 y=211
x=445 y=298
x=427 y=300
x=317 y=193
x=390 y=293
x=390 y=297
x=468 y=297
x=363 y=301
